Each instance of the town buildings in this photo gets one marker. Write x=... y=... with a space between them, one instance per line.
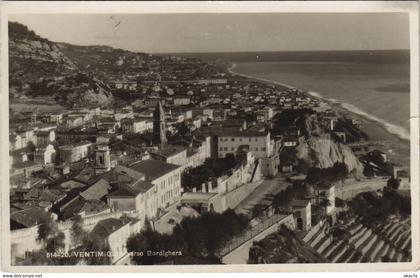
x=121 y=167
x=166 y=180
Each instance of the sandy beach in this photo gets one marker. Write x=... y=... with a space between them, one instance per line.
x=397 y=149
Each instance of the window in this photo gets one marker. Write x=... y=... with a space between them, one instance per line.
x=233 y=139
x=233 y=149
x=221 y=148
x=256 y=149
x=263 y=149
x=249 y=139
x=240 y=139
x=226 y=148
x=256 y=139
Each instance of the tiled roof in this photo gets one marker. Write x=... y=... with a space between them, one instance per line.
x=232 y=132
x=49 y=195
x=96 y=191
x=154 y=169
x=93 y=207
x=106 y=227
x=123 y=192
x=30 y=217
x=141 y=186
x=168 y=150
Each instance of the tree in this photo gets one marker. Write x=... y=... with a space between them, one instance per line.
x=52 y=240
x=91 y=244
x=368 y=171
x=150 y=240
x=194 y=177
x=338 y=171
x=77 y=233
x=198 y=237
x=51 y=237
x=257 y=211
x=339 y=203
x=393 y=183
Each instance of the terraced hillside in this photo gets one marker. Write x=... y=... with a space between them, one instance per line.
x=284 y=246
x=388 y=242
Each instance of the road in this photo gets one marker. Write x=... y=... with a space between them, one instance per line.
x=267 y=187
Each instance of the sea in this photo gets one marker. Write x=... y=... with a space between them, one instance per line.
x=374 y=84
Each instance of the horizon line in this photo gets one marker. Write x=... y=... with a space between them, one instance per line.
x=267 y=51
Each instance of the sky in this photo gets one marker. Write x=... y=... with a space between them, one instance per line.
x=172 y=33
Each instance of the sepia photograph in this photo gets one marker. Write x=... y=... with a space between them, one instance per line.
x=274 y=138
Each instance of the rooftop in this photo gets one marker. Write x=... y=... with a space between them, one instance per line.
x=30 y=217
x=79 y=204
x=106 y=227
x=132 y=190
x=154 y=169
x=96 y=191
x=168 y=150
x=197 y=196
x=74 y=145
x=299 y=203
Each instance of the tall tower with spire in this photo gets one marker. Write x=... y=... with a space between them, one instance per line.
x=159 y=125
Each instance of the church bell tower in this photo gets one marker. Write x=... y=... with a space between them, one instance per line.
x=159 y=125
x=102 y=159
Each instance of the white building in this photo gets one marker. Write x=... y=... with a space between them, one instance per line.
x=136 y=125
x=45 y=154
x=115 y=233
x=166 y=179
x=302 y=214
x=325 y=193
x=268 y=113
x=45 y=137
x=259 y=142
x=74 y=152
x=172 y=154
x=182 y=100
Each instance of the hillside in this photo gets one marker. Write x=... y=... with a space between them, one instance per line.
x=105 y=60
x=32 y=57
x=38 y=69
x=282 y=247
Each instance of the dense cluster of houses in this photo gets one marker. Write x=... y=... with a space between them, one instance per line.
x=121 y=168
x=127 y=162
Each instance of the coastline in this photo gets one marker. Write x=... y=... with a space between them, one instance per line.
x=396 y=147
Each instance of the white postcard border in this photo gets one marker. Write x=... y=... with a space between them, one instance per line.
x=214 y=7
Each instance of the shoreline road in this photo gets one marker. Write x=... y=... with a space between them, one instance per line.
x=262 y=192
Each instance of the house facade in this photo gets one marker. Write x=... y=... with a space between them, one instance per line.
x=259 y=143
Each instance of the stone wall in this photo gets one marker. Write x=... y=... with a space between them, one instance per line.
x=234 y=197
x=350 y=188
x=240 y=255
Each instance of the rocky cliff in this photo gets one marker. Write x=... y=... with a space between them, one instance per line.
x=322 y=152
x=38 y=68
x=316 y=147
